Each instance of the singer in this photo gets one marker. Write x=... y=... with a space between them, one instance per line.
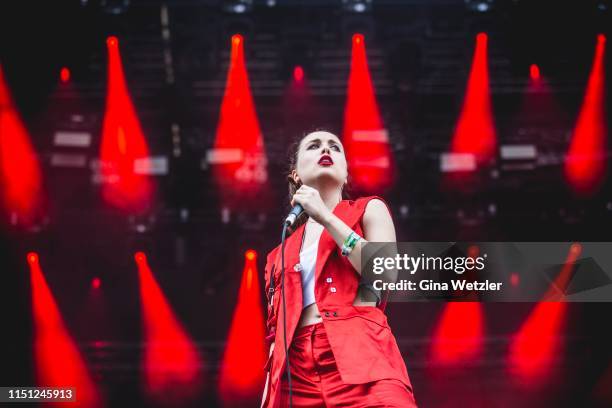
x=341 y=349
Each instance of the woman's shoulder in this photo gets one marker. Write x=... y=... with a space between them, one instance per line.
x=373 y=208
x=369 y=201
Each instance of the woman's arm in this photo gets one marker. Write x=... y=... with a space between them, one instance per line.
x=377 y=227
x=377 y=222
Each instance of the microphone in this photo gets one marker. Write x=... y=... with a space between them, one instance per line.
x=293 y=214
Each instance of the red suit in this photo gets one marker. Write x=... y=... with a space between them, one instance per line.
x=363 y=347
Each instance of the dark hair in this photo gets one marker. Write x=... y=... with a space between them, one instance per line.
x=293 y=151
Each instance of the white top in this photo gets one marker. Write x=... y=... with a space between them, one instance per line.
x=308 y=260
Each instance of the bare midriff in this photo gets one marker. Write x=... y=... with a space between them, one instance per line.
x=311 y=315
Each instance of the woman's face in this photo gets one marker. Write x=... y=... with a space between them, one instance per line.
x=321 y=159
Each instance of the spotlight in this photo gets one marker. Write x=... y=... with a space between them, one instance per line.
x=112 y=41
x=251 y=255
x=357 y=6
x=32 y=258
x=237 y=6
x=64 y=74
x=534 y=72
x=481 y=6
x=140 y=257
x=298 y=73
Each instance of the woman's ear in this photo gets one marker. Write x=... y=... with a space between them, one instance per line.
x=295 y=176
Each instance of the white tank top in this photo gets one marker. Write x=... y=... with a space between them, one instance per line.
x=308 y=260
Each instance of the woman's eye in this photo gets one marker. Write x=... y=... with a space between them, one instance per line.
x=313 y=145
x=336 y=147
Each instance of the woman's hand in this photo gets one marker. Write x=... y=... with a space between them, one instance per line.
x=312 y=203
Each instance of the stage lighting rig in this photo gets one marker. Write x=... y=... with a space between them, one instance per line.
x=481 y=6
x=357 y=6
x=238 y=6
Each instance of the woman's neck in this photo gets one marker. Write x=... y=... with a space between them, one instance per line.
x=330 y=197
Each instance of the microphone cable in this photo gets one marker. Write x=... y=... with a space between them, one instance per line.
x=285 y=225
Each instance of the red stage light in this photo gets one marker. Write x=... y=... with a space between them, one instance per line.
x=171 y=362
x=534 y=72
x=140 y=257
x=123 y=144
x=364 y=136
x=250 y=255
x=32 y=257
x=96 y=282
x=537 y=343
x=57 y=358
x=21 y=183
x=475 y=131
x=298 y=74
x=241 y=377
x=458 y=335
x=64 y=74
x=586 y=162
x=112 y=41
x=240 y=167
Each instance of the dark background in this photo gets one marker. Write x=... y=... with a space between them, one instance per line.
x=419 y=53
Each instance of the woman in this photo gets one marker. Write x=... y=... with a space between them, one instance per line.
x=341 y=349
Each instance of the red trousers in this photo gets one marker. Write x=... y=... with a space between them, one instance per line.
x=316 y=382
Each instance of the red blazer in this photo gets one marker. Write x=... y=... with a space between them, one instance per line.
x=361 y=340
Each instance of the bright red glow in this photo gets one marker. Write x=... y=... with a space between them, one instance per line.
x=112 y=41
x=57 y=358
x=239 y=132
x=585 y=164
x=32 y=258
x=171 y=363
x=21 y=187
x=250 y=255
x=298 y=101
x=140 y=257
x=96 y=282
x=365 y=137
x=64 y=74
x=298 y=74
x=514 y=279
x=538 y=105
x=475 y=131
x=534 y=72
x=458 y=335
x=123 y=142
x=242 y=378
x=536 y=345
